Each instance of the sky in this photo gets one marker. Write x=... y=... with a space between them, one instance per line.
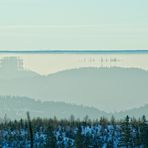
x=73 y=24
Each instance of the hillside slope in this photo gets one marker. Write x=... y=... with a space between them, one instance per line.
x=109 y=89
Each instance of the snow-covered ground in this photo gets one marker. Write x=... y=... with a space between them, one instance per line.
x=95 y=135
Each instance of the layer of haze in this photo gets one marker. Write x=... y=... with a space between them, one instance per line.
x=108 y=89
x=73 y=24
x=45 y=64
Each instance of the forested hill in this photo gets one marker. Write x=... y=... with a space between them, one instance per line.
x=16 y=108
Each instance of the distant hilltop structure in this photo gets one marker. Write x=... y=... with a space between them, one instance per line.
x=13 y=68
x=11 y=63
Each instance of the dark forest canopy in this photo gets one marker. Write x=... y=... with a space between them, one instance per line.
x=55 y=133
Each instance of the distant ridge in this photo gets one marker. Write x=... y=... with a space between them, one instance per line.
x=109 y=89
x=138 y=51
x=15 y=107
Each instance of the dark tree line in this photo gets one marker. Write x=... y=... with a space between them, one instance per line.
x=51 y=133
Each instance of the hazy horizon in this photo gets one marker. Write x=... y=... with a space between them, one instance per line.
x=102 y=71
x=48 y=63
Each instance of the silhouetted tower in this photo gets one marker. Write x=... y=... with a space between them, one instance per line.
x=11 y=63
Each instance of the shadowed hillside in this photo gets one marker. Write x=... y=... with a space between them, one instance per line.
x=16 y=107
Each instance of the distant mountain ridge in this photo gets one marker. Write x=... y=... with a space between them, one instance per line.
x=16 y=108
x=109 y=89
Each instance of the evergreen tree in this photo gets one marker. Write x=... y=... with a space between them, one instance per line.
x=103 y=122
x=126 y=138
x=137 y=139
x=113 y=120
x=88 y=141
x=144 y=132
x=51 y=139
x=79 y=139
x=135 y=132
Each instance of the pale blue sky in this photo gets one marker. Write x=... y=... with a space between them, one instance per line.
x=73 y=24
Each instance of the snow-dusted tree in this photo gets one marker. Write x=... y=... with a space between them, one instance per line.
x=126 y=137
x=79 y=139
x=51 y=139
x=144 y=132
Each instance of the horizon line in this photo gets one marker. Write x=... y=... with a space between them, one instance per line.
x=75 y=51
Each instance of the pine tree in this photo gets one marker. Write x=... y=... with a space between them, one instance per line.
x=79 y=139
x=113 y=120
x=135 y=132
x=103 y=122
x=144 y=132
x=137 y=140
x=88 y=141
x=51 y=139
x=126 y=138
